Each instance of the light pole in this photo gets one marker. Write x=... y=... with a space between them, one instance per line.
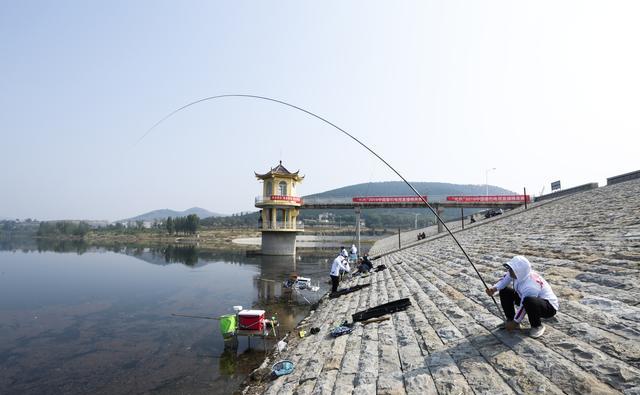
x=416 y=221
x=486 y=180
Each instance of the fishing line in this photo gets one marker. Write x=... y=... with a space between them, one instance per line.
x=203 y=317
x=347 y=134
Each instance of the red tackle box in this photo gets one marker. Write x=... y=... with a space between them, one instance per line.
x=252 y=320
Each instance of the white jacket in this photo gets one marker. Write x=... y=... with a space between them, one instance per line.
x=527 y=283
x=337 y=265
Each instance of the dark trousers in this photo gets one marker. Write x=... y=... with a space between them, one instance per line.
x=535 y=307
x=364 y=268
x=334 y=283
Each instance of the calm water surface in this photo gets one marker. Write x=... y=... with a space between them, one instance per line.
x=100 y=321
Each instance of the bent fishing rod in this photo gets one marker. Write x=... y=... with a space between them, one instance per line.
x=347 y=134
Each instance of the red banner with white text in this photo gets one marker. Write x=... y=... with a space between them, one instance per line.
x=490 y=199
x=295 y=199
x=388 y=199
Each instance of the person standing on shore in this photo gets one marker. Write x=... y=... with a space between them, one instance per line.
x=354 y=253
x=530 y=292
x=337 y=266
x=347 y=270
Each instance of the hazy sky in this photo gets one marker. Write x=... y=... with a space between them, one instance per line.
x=443 y=90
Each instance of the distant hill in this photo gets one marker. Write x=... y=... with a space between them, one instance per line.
x=164 y=213
x=400 y=218
x=399 y=188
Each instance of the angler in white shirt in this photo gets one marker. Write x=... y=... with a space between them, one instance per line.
x=354 y=253
x=339 y=264
x=530 y=292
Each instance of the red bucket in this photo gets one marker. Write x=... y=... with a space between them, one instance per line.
x=252 y=320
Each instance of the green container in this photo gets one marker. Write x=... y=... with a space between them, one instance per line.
x=228 y=325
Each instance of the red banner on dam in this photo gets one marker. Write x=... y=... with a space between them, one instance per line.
x=388 y=199
x=490 y=199
x=295 y=199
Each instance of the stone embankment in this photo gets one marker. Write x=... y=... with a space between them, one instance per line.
x=586 y=245
x=410 y=238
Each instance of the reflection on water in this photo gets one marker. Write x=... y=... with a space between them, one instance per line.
x=97 y=320
x=41 y=245
x=187 y=255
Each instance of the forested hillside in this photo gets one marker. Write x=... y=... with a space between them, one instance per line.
x=399 y=188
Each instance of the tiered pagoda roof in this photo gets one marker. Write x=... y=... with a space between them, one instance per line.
x=279 y=171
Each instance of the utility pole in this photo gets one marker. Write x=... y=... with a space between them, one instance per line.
x=486 y=180
x=358 y=228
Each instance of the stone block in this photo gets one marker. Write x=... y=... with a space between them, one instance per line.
x=419 y=382
x=390 y=383
x=325 y=382
x=344 y=384
x=365 y=383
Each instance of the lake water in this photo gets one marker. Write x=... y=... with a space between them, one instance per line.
x=100 y=321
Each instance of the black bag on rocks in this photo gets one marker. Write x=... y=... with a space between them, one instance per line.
x=387 y=308
x=345 y=291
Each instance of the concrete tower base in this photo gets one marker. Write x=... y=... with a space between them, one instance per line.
x=278 y=243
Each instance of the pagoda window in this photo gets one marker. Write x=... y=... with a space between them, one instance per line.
x=269 y=189
x=283 y=188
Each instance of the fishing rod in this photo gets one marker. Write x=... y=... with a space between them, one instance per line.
x=196 y=316
x=347 y=134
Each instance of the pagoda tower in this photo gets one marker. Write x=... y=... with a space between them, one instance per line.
x=279 y=210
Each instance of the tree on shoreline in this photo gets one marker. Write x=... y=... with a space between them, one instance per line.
x=186 y=225
x=169 y=225
x=67 y=228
